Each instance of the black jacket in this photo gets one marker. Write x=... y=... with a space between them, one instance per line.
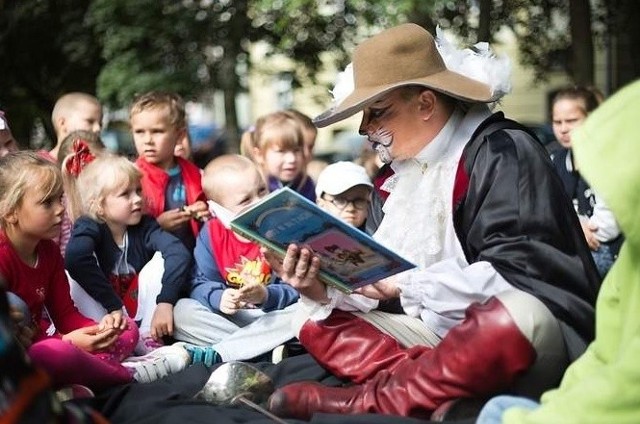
x=145 y=239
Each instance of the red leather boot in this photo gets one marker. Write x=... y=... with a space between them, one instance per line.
x=351 y=348
x=482 y=355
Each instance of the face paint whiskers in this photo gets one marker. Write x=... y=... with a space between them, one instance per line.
x=381 y=140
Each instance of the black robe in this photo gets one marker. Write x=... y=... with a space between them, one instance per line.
x=515 y=214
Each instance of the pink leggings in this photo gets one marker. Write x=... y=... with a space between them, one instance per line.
x=68 y=364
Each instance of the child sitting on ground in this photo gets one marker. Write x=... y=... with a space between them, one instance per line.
x=570 y=108
x=111 y=248
x=72 y=112
x=344 y=190
x=70 y=155
x=82 y=351
x=276 y=144
x=238 y=308
x=170 y=185
x=26 y=390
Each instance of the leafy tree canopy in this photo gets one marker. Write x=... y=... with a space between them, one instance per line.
x=117 y=48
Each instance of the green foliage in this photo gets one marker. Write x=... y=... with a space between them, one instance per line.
x=147 y=45
x=46 y=48
x=541 y=27
x=302 y=29
x=117 y=48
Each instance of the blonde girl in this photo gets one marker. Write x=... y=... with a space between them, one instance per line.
x=124 y=281
x=82 y=351
x=277 y=146
x=309 y=132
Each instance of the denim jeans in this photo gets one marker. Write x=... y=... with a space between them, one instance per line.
x=604 y=258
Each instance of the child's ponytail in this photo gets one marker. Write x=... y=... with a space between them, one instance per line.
x=72 y=166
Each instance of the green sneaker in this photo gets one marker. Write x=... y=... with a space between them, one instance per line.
x=206 y=355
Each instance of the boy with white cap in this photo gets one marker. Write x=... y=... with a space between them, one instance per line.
x=344 y=190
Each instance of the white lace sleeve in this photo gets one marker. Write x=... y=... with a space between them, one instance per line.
x=441 y=293
x=337 y=300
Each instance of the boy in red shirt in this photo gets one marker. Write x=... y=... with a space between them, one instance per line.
x=171 y=185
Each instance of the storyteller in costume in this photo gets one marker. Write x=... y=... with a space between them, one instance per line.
x=502 y=298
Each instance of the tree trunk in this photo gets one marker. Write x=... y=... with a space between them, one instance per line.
x=231 y=121
x=228 y=77
x=581 y=66
x=229 y=81
x=484 y=22
x=626 y=36
x=421 y=13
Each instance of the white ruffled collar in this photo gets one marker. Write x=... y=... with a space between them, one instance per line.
x=418 y=211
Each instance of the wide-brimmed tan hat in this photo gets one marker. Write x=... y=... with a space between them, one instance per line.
x=397 y=57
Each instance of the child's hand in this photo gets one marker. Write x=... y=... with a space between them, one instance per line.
x=589 y=229
x=253 y=294
x=172 y=220
x=91 y=338
x=198 y=210
x=115 y=320
x=229 y=302
x=162 y=321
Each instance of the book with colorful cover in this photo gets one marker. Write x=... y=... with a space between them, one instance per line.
x=349 y=258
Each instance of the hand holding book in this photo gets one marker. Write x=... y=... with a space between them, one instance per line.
x=299 y=268
x=301 y=273
x=348 y=258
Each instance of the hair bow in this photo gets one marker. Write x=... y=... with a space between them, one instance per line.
x=79 y=158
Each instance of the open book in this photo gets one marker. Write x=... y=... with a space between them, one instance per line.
x=349 y=258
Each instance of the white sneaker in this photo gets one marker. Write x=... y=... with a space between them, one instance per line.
x=278 y=354
x=161 y=362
